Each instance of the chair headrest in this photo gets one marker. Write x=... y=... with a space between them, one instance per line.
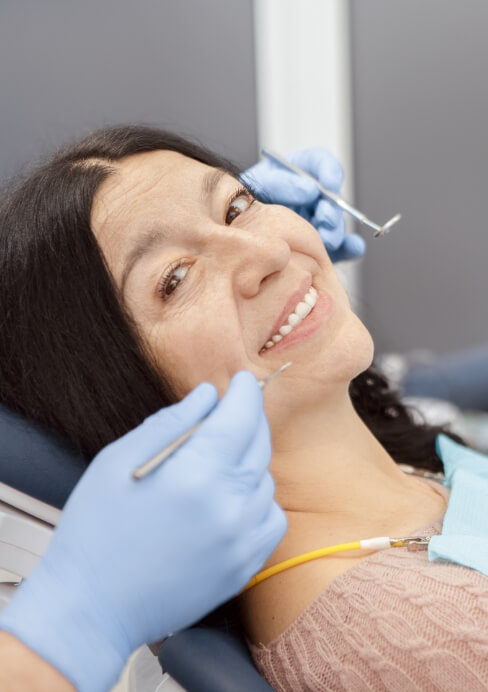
x=37 y=461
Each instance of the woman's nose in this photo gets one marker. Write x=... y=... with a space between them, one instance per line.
x=256 y=257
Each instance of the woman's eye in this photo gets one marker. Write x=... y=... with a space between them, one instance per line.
x=171 y=279
x=237 y=206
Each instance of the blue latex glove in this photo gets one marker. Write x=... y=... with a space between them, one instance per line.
x=275 y=184
x=131 y=561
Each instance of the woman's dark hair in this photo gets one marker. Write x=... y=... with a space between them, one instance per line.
x=70 y=355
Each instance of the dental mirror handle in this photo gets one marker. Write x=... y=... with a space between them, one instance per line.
x=325 y=192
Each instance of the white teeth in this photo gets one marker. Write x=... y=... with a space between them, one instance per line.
x=303 y=308
x=294 y=319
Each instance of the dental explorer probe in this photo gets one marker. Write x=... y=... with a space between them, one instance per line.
x=325 y=192
x=161 y=456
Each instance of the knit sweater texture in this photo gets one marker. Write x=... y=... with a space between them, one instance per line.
x=394 y=622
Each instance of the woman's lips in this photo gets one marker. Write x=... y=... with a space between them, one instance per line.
x=308 y=326
x=290 y=305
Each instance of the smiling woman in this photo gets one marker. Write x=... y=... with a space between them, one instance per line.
x=133 y=266
x=73 y=355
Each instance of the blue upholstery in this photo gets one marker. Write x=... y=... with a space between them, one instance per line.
x=36 y=461
x=461 y=378
x=203 y=659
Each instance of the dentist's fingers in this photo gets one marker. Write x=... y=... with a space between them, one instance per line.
x=279 y=186
x=326 y=214
x=332 y=239
x=353 y=247
x=259 y=500
x=254 y=464
x=262 y=525
x=161 y=428
x=232 y=426
x=321 y=164
x=265 y=539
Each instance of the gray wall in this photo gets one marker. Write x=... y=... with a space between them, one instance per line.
x=67 y=67
x=421 y=146
x=420 y=105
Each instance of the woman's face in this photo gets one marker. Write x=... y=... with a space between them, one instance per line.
x=210 y=276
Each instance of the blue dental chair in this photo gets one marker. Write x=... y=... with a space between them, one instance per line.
x=460 y=378
x=38 y=471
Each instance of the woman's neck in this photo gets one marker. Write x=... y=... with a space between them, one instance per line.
x=337 y=484
x=326 y=461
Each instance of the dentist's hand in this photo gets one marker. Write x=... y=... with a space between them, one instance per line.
x=131 y=561
x=279 y=186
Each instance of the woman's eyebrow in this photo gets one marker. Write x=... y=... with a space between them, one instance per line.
x=211 y=180
x=145 y=244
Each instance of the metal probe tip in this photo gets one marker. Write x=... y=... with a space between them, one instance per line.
x=386 y=227
x=263 y=383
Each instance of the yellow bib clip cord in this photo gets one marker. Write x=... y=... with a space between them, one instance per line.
x=378 y=543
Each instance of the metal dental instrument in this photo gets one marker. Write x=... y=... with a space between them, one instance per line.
x=161 y=456
x=263 y=383
x=359 y=216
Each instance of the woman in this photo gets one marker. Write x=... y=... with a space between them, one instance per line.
x=134 y=266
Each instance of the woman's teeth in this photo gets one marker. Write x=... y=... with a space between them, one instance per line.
x=303 y=308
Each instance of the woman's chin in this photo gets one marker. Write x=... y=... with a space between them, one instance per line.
x=353 y=355
x=358 y=350
x=328 y=377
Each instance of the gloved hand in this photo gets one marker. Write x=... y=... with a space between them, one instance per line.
x=131 y=561
x=275 y=184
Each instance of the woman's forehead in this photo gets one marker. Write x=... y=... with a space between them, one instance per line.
x=147 y=192
x=142 y=183
x=154 y=172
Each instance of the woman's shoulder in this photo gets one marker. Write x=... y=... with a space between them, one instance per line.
x=394 y=616
x=270 y=607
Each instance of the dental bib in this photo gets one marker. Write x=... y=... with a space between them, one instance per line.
x=464 y=537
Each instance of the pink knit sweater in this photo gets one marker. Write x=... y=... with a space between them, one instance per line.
x=394 y=622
